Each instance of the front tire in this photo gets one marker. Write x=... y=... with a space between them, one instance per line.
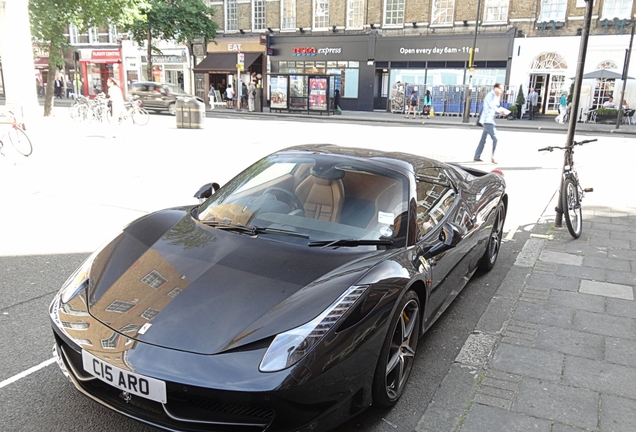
x=398 y=352
x=20 y=141
x=489 y=258
x=140 y=117
x=172 y=109
x=572 y=207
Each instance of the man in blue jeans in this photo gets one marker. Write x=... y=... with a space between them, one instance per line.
x=487 y=120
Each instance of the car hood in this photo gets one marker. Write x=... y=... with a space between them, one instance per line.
x=170 y=281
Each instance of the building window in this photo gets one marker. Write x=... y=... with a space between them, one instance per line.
x=288 y=14
x=231 y=15
x=175 y=292
x=553 y=10
x=154 y=279
x=355 y=13
x=120 y=306
x=443 y=12
x=321 y=14
x=111 y=342
x=607 y=64
x=617 y=9
x=76 y=325
x=93 y=35
x=73 y=34
x=149 y=314
x=112 y=33
x=496 y=11
x=258 y=15
x=130 y=328
x=393 y=12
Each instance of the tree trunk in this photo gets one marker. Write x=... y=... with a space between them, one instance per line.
x=149 y=56
x=50 y=86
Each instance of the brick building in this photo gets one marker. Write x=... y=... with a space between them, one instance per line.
x=373 y=44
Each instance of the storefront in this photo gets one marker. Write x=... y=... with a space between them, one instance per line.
x=219 y=67
x=343 y=57
x=97 y=65
x=170 y=67
x=549 y=64
x=439 y=61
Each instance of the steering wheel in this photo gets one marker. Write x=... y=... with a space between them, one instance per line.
x=292 y=196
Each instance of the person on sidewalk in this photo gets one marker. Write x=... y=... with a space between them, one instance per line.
x=487 y=120
x=427 y=101
x=563 y=107
x=413 y=103
x=251 y=96
x=116 y=98
x=533 y=98
x=211 y=96
x=229 y=96
x=336 y=102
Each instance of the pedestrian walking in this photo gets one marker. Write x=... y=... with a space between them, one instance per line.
x=59 y=86
x=563 y=106
x=211 y=96
x=413 y=103
x=487 y=121
x=243 y=96
x=251 y=96
x=229 y=96
x=533 y=98
x=116 y=98
x=427 y=101
x=336 y=102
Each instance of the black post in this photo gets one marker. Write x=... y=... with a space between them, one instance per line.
x=625 y=72
x=471 y=61
x=578 y=79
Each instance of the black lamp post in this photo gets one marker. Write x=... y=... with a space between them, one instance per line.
x=471 y=60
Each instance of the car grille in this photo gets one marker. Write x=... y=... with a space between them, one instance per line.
x=183 y=412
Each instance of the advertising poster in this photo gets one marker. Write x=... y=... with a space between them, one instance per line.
x=318 y=94
x=278 y=92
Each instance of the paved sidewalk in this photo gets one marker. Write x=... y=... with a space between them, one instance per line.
x=555 y=350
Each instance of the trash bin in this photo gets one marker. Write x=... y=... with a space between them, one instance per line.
x=258 y=102
x=190 y=113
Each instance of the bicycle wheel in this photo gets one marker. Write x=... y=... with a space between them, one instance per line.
x=20 y=141
x=140 y=117
x=572 y=207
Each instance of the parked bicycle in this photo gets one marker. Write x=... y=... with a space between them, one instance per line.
x=135 y=112
x=16 y=134
x=570 y=192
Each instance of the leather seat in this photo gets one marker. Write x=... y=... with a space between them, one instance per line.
x=388 y=206
x=322 y=194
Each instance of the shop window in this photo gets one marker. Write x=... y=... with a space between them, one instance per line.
x=112 y=33
x=321 y=14
x=607 y=64
x=393 y=12
x=496 y=11
x=553 y=10
x=603 y=90
x=617 y=9
x=93 y=35
x=231 y=15
x=288 y=14
x=258 y=14
x=355 y=13
x=443 y=11
x=349 y=83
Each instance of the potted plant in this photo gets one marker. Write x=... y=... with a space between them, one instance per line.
x=520 y=102
x=606 y=115
x=514 y=112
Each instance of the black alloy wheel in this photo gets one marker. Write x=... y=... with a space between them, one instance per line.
x=494 y=241
x=398 y=352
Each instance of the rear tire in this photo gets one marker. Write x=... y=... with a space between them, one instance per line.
x=398 y=352
x=572 y=207
x=140 y=117
x=489 y=258
x=20 y=141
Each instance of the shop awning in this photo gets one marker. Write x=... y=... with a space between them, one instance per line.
x=224 y=62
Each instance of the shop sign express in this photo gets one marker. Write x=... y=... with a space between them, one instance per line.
x=313 y=51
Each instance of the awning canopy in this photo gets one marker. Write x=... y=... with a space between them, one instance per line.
x=224 y=62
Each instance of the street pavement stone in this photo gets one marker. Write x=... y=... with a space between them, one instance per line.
x=620 y=351
x=617 y=414
x=575 y=300
x=600 y=376
x=560 y=258
x=607 y=263
x=619 y=307
x=488 y=419
x=581 y=272
x=621 y=277
x=606 y=325
x=607 y=289
x=544 y=314
x=527 y=361
x=553 y=282
x=571 y=342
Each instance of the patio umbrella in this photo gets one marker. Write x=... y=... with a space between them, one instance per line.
x=603 y=74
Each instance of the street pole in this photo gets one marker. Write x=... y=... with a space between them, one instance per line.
x=578 y=80
x=625 y=71
x=471 y=69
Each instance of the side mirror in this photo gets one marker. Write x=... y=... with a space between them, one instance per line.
x=206 y=191
x=449 y=237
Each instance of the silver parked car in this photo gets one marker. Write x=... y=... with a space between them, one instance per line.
x=158 y=96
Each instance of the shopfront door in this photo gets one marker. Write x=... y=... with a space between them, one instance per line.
x=538 y=81
x=380 y=89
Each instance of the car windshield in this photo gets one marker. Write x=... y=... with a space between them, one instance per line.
x=325 y=199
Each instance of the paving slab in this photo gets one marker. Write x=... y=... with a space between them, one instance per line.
x=528 y=362
x=619 y=307
x=613 y=263
x=606 y=325
x=551 y=401
x=618 y=414
x=488 y=419
x=561 y=258
x=605 y=289
x=600 y=376
x=620 y=351
x=581 y=272
x=553 y=282
x=571 y=342
x=577 y=300
x=544 y=314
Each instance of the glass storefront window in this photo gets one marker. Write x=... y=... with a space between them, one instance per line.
x=97 y=75
x=443 y=77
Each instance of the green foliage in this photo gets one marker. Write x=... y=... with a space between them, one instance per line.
x=606 y=111
x=512 y=108
x=570 y=93
x=521 y=100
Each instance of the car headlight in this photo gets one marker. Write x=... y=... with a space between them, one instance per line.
x=79 y=279
x=288 y=348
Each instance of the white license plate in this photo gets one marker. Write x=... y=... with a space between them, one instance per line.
x=132 y=383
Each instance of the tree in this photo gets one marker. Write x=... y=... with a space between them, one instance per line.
x=50 y=20
x=180 y=20
x=521 y=100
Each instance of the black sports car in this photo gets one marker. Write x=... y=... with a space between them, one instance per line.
x=291 y=299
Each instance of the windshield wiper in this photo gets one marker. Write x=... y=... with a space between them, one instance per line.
x=252 y=230
x=350 y=243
